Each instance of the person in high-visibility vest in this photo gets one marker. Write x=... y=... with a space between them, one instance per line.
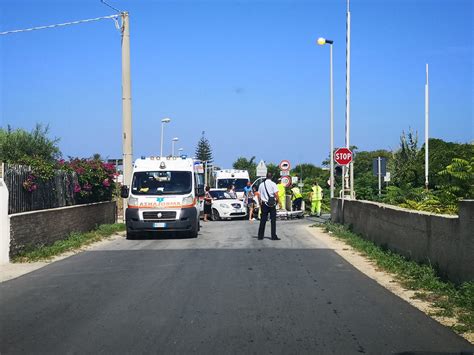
x=282 y=194
x=316 y=198
x=296 y=197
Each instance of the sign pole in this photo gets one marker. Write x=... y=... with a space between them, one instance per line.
x=379 y=167
x=331 y=176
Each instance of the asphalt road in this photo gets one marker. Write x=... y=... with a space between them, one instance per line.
x=225 y=292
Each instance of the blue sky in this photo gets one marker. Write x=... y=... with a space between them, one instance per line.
x=248 y=73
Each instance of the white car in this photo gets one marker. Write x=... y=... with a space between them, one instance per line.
x=226 y=207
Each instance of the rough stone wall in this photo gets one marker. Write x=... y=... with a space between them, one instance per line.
x=45 y=227
x=446 y=242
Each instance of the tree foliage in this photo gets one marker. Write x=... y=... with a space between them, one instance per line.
x=204 y=150
x=406 y=170
x=451 y=175
x=243 y=163
x=20 y=146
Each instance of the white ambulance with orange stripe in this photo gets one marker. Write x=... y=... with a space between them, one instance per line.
x=163 y=196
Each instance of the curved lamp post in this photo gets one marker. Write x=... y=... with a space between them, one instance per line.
x=163 y=121
x=322 y=41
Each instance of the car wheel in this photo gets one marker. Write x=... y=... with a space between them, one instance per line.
x=215 y=215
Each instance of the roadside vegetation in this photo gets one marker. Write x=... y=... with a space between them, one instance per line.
x=455 y=301
x=451 y=175
x=89 y=179
x=73 y=242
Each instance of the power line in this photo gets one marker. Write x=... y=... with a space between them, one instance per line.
x=113 y=8
x=113 y=17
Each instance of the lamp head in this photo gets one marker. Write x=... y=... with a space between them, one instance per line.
x=322 y=41
x=175 y=139
x=166 y=120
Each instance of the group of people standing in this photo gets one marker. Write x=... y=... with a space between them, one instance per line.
x=264 y=201
x=315 y=196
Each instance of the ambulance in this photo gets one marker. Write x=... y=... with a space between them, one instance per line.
x=238 y=178
x=164 y=196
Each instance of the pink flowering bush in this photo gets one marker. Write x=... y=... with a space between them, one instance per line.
x=30 y=183
x=96 y=179
x=89 y=180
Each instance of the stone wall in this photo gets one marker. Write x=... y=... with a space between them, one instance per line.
x=444 y=241
x=44 y=227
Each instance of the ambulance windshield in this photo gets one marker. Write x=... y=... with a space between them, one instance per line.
x=161 y=183
x=238 y=183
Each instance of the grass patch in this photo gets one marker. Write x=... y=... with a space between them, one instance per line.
x=72 y=242
x=451 y=300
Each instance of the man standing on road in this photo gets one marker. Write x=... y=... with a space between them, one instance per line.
x=282 y=194
x=316 y=197
x=268 y=201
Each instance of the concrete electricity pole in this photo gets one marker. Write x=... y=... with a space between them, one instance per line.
x=126 y=102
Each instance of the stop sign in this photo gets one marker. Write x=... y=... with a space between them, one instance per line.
x=343 y=156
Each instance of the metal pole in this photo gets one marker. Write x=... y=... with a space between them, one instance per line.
x=161 y=142
x=172 y=148
x=126 y=102
x=348 y=95
x=332 y=122
x=427 y=118
x=343 y=181
x=205 y=173
x=379 y=173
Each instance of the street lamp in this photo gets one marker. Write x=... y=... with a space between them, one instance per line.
x=175 y=139
x=163 y=121
x=322 y=42
x=180 y=150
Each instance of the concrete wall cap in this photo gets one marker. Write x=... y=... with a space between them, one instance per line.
x=398 y=208
x=58 y=209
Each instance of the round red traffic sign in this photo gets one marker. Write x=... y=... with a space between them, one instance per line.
x=284 y=165
x=286 y=181
x=343 y=156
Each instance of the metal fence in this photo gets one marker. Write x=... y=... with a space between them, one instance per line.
x=55 y=192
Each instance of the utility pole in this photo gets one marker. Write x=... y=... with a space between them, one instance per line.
x=427 y=119
x=126 y=102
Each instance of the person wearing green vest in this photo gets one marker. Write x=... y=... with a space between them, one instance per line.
x=282 y=194
x=316 y=198
x=296 y=197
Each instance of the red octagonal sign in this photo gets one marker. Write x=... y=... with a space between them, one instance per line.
x=343 y=156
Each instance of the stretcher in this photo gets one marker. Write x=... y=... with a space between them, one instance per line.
x=284 y=214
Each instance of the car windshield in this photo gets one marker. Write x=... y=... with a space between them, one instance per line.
x=220 y=195
x=161 y=183
x=238 y=183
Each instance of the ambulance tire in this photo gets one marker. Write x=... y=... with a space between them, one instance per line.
x=195 y=231
x=130 y=235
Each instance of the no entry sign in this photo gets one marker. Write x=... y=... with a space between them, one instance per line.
x=343 y=156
